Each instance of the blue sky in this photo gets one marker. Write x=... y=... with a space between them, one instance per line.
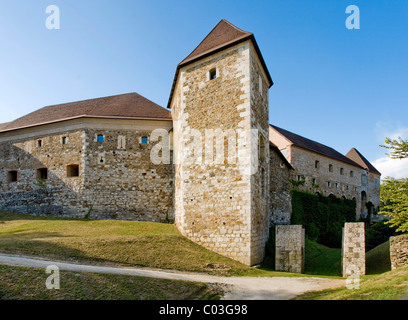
x=343 y=88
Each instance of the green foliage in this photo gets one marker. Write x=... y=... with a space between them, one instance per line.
x=41 y=183
x=394 y=198
x=399 y=148
x=322 y=217
x=378 y=233
x=89 y=212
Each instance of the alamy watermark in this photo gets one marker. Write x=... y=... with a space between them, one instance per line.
x=353 y=280
x=53 y=20
x=353 y=20
x=53 y=281
x=209 y=147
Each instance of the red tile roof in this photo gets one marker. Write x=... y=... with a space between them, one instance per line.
x=124 y=106
x=314 y=146
x=223 y=36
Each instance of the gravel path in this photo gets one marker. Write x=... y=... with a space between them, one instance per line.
x=237 y=288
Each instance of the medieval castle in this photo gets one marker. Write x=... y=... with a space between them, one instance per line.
x=213 y=165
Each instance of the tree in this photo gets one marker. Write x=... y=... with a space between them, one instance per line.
x=394 y=198
x=399 y=148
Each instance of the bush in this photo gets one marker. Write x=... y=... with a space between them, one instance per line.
x=379 y=233
x=322 y=217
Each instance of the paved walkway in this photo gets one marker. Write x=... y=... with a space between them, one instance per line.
x=237 y=288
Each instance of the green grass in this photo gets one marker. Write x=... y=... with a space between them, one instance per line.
x=322 y=260
x=18 y=283
x=392 y=285
x=112 y=242
x=378 y=259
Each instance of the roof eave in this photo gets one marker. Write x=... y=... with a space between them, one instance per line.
x=84 y=116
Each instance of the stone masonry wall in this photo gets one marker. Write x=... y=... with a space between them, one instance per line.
x=213 y=200
x=260 y=178
x=290 y=248
x=117 y=179
x=399 y=251
x=121 y=180
x=353 y=250
x=280 y=205
x=58 y=194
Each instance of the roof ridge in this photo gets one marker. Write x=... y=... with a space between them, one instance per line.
x=246 y=33
x=234 y=26
x=325 y=151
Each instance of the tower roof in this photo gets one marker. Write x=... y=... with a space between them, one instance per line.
x=223 y=36
x=124 y=106
x=357 y=157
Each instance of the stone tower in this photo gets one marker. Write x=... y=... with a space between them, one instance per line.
x=219 y=104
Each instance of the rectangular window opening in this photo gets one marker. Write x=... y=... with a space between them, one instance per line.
x=213 y=74
x=73 y=170
x=42 y=174
x=12 y=176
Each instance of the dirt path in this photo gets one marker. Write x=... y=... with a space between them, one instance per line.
x=237 y=288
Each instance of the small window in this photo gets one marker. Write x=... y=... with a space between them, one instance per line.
x=341 y=171
x=330 y=168
x=73 y=170
x=336 y=185
x=317 y=164
x=329 y=184
x=12 y=176
x=64 y=140
x=145 y=140
x=314 y=181
x=39 y=143
x=100 y=138
x=351 y=174
x=42 y=174
x=213 y=74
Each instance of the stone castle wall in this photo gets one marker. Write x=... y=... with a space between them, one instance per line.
x=399 y=251
x=213 y=200
x=59 y=194
x=260 y=179
x=280 y=205
x=116 y=179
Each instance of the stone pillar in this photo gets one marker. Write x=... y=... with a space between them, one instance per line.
x=353 y=251
x=399 y=251
x=290 y=248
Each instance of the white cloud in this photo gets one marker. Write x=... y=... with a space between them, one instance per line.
x=394 y=168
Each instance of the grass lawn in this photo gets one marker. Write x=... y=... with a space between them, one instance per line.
x=321 y=260
x=391 y=285
x=18 y=283
x=112 y=242
x=378 y=259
